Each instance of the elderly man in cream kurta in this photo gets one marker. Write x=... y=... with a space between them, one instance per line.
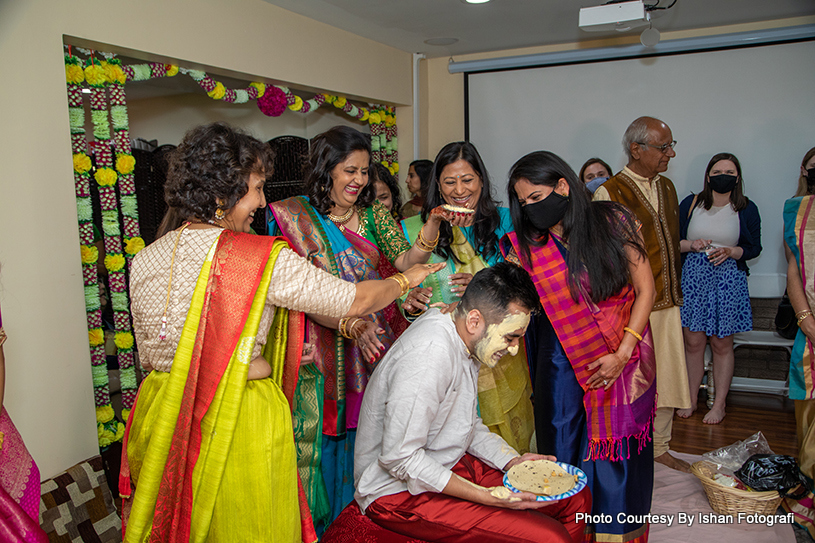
x=648 y=142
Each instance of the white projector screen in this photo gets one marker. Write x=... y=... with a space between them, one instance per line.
x=757 y=103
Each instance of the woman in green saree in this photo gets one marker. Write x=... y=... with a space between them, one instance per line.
x=340 y=228
x=209 y=451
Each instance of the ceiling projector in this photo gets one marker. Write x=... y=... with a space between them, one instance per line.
x=619 y=16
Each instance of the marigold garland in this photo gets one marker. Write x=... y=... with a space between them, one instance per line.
x=105 y=77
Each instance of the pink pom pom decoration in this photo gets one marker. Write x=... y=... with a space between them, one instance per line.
x=273 y=102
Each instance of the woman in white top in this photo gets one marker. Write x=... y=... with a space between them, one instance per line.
x=720 y=229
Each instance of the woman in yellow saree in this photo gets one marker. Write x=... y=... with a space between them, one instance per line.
x=209 y=452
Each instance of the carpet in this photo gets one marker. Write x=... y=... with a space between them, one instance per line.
x=681 y=500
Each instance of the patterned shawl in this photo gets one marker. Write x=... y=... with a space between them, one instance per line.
x=351 y=257
x=588 y=331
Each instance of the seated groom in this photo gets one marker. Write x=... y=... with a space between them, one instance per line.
x=424 y=462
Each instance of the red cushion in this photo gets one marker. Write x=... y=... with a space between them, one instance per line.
x=351 y=526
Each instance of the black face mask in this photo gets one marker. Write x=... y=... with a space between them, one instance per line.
x=546 y=213
x=723 y=183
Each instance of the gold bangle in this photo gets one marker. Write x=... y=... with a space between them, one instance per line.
x=427 y=241
x=350 y=327
x=633 y=333
x=404 y=284
x=343 y=328
x=424 y=244
x=804 y=314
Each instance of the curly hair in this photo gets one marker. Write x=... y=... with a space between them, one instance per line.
x=213 y=162
x=383 y=174
x=327 y=150
x=487 y=219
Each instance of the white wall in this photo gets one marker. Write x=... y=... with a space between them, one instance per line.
x=756 y=103
x=49 y=388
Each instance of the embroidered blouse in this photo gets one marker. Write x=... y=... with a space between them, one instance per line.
x=296 y=284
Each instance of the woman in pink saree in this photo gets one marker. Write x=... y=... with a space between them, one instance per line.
x=19 y=476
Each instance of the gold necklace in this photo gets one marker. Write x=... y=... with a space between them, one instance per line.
x=344 y=218
x=163 y=333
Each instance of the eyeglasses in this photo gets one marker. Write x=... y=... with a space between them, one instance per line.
x=662 y=148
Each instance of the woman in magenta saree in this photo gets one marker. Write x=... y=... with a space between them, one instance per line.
x=590 y=351
x=19 y=477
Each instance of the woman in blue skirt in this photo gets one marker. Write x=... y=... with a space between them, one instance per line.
x=720 y=230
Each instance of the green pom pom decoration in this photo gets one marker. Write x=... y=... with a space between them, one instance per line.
x=118 y=115
x=119 y=301
x=77 y=119
x=84 y=209
x=374 y=144
x=141 y=72
x=394 y=143
x=129 y=206
x=101 y=128
x=92 y=302
x=110 y=222
x=197 y=75
x=241 y=96
x=100 y=375
x=127 y=378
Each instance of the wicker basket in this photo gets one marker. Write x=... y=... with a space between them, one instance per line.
x=732 y=501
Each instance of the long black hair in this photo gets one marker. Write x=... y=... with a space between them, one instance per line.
x=380 y=172
x=486 y=220
x=597 y=232
x=327 y=150
x=422 y=167
x=737 y=198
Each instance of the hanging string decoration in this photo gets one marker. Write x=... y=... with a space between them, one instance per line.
x=273 y=100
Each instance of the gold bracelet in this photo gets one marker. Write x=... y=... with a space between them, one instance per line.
x=404 y=284
x=422 y=247
x=804 y=314
x=349 y=327
x=633 y=333
x=424 y=244
x=342 y=328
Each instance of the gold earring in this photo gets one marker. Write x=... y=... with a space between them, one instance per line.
x=219 y=214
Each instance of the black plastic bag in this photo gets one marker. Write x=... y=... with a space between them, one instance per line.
x=785 y=322
x=772 y=472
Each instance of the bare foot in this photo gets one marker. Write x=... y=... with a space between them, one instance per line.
x=714 y=416
x=685 y=413
x=672 y=462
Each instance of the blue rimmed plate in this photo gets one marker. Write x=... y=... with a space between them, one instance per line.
x=582 y=480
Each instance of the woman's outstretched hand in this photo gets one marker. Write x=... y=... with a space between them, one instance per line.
x=419 y=272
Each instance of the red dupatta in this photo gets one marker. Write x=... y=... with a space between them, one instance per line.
x=588 y=331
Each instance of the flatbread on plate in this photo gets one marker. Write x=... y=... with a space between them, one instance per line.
x=542 y=477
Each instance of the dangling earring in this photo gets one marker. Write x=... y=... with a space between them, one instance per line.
x=219 y=214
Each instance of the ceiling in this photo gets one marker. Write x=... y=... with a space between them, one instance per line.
x=509 y=24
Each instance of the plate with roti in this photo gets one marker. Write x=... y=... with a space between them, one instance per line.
x=549 y=480
x=458 y=210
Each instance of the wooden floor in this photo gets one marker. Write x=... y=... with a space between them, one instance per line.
x=747 y=413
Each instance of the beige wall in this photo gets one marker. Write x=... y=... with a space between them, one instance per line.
x=442 y=106
x=49 y=389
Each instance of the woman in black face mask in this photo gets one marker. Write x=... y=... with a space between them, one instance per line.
x=720 y=229
x=806 y=182
x=591 y=350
